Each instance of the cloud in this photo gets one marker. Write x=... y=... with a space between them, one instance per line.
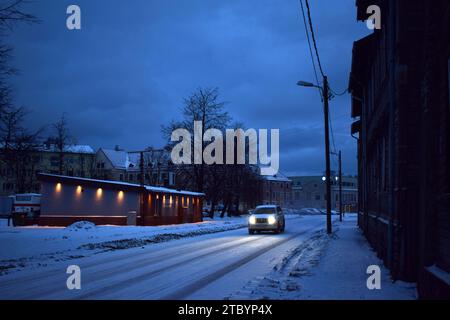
x=127 y=71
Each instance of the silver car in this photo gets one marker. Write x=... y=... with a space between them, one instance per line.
x=266 y=218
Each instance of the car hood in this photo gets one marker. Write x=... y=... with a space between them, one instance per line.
x=264 y=216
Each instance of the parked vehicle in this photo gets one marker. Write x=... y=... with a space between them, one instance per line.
x=27 y=204
x=266 y=218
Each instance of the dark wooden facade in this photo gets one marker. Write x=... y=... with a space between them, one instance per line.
x=400 y=102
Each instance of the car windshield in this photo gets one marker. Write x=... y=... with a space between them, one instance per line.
x=264 y=211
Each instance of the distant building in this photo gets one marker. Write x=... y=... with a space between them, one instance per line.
x=276 y=189
x=77 y=161
x=400 y=104
x=120 y=165
x=310 y=192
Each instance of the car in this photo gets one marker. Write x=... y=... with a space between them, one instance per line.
x=266 y=218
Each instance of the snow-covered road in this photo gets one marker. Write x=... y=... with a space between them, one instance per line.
x=211 y=266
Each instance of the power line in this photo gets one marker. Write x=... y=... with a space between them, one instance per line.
x=309 y=45
x=314 y=38
x=339 y=94
x=318 y=62
x=315 y=46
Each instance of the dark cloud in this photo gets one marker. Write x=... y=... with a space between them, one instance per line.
x=126 y=72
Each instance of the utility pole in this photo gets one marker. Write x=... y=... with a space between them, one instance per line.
x=141 y=168
x=340 y=186
x=327 y=153
x=326 y=97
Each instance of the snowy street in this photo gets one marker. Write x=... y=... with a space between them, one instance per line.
x=223 y=265
x=207 y=267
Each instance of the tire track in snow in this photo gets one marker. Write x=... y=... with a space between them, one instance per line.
x=93 y=294
x=199 y=284
x=146 y=261
x=48 y=274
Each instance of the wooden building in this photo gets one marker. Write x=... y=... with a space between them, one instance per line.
x=66 y=200
x=400 y=101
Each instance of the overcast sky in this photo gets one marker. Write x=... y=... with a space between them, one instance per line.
x=127 y=71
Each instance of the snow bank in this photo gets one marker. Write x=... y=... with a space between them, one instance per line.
x=35 y=246
x=81 y=225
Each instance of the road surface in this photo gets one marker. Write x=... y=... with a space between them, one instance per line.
x=204 y=267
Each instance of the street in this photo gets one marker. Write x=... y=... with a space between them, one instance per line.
x=212 y=266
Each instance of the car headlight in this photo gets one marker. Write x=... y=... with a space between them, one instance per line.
x=252 y=220
x=272 y=220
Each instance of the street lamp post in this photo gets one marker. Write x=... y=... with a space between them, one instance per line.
x=340 y=183
x=325 y=95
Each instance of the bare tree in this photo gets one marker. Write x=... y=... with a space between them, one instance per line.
x=61 y=140
x=11 y=13
x=203 y=105
x=19 y=144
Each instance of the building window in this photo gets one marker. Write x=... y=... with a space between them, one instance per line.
x=171 y=178
x=317 y=197
x=54 y=161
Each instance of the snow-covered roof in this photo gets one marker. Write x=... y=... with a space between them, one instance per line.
x=277 y=177
x=125 y=160
x=72 y=148
x=118 y=158
x=119 y=183
x=79 y=148
x=173 y=191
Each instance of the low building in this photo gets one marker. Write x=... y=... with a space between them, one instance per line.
x=310 y=192
x=276 y=189
x=66 y=200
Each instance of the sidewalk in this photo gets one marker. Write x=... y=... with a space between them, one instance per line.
x=341 y=272
x=327 y=267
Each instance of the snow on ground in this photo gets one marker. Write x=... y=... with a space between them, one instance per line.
x=23 y=246
x=34 y=246
x=327 y=267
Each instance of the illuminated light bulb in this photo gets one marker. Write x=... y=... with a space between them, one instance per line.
x=99 y=192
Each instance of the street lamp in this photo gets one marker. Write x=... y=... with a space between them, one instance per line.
x=325 y=96
x=307 y=84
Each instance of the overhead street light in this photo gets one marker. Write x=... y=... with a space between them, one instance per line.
x=307 y=84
